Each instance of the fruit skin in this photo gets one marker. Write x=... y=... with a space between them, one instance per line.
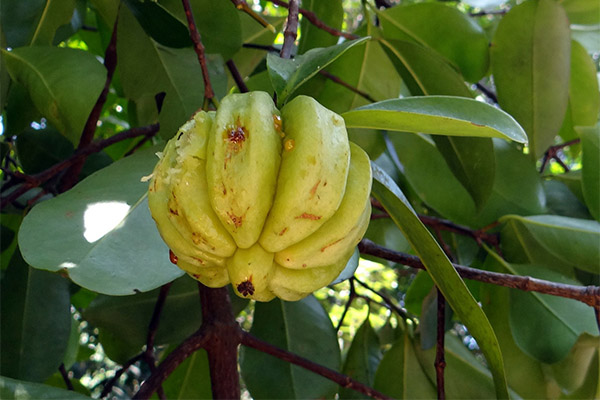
x=243 y=157
x=193 y=212
x=312 y=178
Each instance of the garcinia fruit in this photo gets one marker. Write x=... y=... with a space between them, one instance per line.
x=273 y=203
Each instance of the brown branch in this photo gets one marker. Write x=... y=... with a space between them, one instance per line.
x=351 y=298
x=89 y=129
x=235 y=74
x=391 y=305
x=553 y=153
x=313 y=19
x=209 y=94
x=65 y=376
x=589 y=295
x=440 y=360
x=341 y=379
x=36 y=180
x=291 y=30
x=111 y=383
x=243 y=6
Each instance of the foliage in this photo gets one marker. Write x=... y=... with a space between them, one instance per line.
x=481 y=121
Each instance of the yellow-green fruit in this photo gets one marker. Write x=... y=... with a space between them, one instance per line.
x=243 y=159
x=313 y=173
x=274 y=205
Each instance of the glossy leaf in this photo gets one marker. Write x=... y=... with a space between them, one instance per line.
x=302 y=327
x=63 y=83
x=442 y=273
x=191 y=379
x=400 y=374
x=159 y=24
x=446 y=30
x=362 y=359
x=36 y=321
x=584 y=96
x=40 y=149
x=590 y=170
x=530 y=62
x=34 y=21
x=101 y=233
x=330 y=13
x=16 y=389
x=560 y=200
x=562 y=320
x=442 y=115
x=557 y=242
x=287 y=75
x=176 y=72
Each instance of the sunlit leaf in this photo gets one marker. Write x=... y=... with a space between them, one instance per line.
x=582 y=12
x=101 y=233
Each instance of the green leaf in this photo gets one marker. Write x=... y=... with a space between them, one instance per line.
x=176 y=72
x=572 y=370
x=63 y=83
x=40 y=149
x=191 y=378
x=442 y=115
x=362 y=359
x=302 y=327
x=530 y=62
x=331 y=13
x=442 y=273
x=590 y=170
x=584 y=96
x=287 y=75
x=36 y=321
x=34 y=21
x=560 y=200
x=348 y=271
x=101 y=233
x=159 y=23
x=400 y=374
x=444 y=29
x=582 y=12
x=557 y=242
x=22 y=390
x=563 y=320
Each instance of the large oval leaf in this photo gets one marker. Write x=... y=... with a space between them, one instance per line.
x=14 y=389
x=441 y=115
x=63 y=83
x=101 y=232
x=444 y=29
x=530 y=62
x=442 y=272
x=558 y=242
x=302 y=327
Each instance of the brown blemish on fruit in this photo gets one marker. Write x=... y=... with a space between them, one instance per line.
x=172 y=257
x=197 y=238
x=331 y=244
x=237 y=221
x=237 y=135
x=312 y=217
x=289 y=144
x=314 y=189
x=201 y=261
x=283 y=231
x=174 y=212
x=303 y=265
x=246 y=288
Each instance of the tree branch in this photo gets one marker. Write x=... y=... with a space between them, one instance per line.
x=243 y=6
x=313 y=19
x=553 y=153
x=291 y=30
x=440 y=360
x=209 y=95
x=589 y=295
x=235 y=74
x=341 y=379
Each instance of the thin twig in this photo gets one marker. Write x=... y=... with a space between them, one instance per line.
x=313 y=19
x=485 y=90
x=399 y=310
x=341 y=379
x=235 y=74
x=65 y=376
x=553 y=153
x=243 y=6
x=351 y=298
x=440 y=359
x=589 y=295
x=111 y=383
x=346 y=85
x=291 y=30
x=209 y=95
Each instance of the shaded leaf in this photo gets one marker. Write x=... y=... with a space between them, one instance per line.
x=557 y=242
x=63 y=83
x=302 y=327
x=160 y=24
x=287 y=75
x=445 y=29
x=348 y=271
x=101 y=233
x=584 y=96
x=571 y=372
x=191 y=379
x=530 y=62
x=561 y=201
x=442 y=115
x=36 y=321
x=442 y=273
x=590 y=170
x=40 y=149
x=329 y=12
x=22 y=390
x=362 y=359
